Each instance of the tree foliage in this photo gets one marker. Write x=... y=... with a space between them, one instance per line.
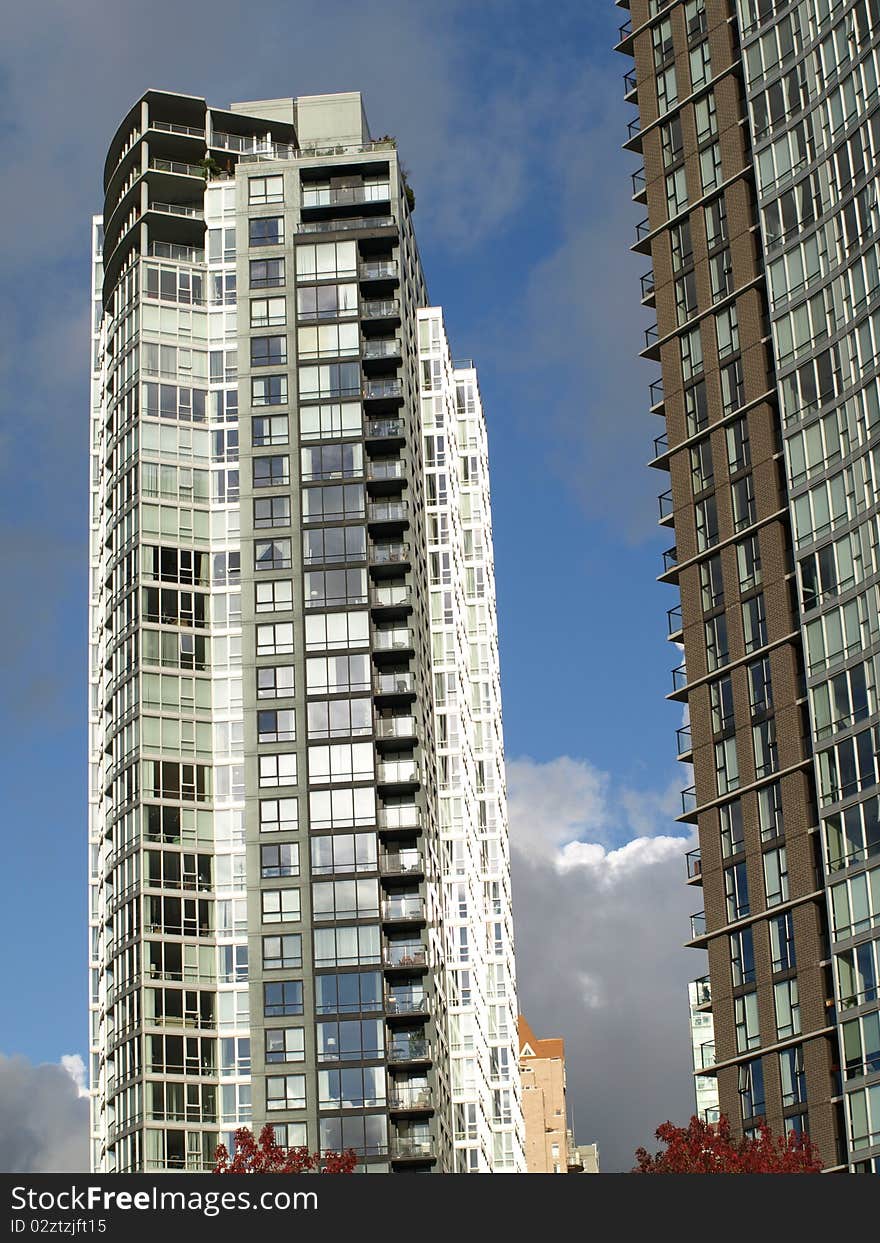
x=704 y=1148
x=265 y=1156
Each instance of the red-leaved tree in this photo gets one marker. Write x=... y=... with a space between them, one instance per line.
x=264 y=1156
x=705 y=1148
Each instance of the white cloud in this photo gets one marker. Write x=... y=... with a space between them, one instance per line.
x=601 y=913
x=44 y=1120
x=76 y=1068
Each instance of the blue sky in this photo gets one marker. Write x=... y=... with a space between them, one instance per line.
x=509 y=116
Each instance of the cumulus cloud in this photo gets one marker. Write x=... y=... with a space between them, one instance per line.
x=44 y=1116
x=600 y=919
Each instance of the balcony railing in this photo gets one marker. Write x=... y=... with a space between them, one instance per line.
x=378 y=270
x=666 y=505
x=400 y=862
x=381 y=348
x=639 y=182
x=670 y=559
x=380 y=308
x=382 y=429
x=172 y=250
x=656 y=392
x=673 y=620
x=643 y=228
x=648 y=284
x=376 y=389
x=394 y=596
x=701 y=991
x=402 y=683
x=409 y=1051
x=629 y=81
x=190 y=131
x=410 y=1098
x=397 y=772
x=684 y=739
x=389 y=554
x=420 y=1149
x=402 y=909
x=698 y=925
x=661 y=444
x=178 y=167
x=679 y=678
x=350 y=222
x=385 y=470
x=345 y=195
x=652 y=336
x=694 y=864
x=387 y=511
x=705 y=1055
x=411 y=955
x=633 y=128
x=396 y=727
x=407 y=818
x=177 y=209
x=689 y=801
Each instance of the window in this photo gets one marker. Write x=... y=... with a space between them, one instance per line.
x=347 y=946
x=710 y=167
x=270 y=430
x=281 y=860
x=770 y=810
x=285 y=1092
x=277 y=770
x=673 y=145
x=760 y=689
x=721 y=699
x=282 y=998
x=788 y=1011
x=711 y=583
x=266 y=230
x=765 y=747
x=326 y=260
x=352 y=1040
x=278 y=815
x=717 y=652
x=274 y=681
x=275 y=639
x=333 y=504
x=726 y=767
x=272 y=554
x=691 y=345
x=742 y=957
x=327 y=302
x=792 y=1076
x=272 y=511
x=736 y=889
x=746 y=1021
x=782 y=942
x=328 y=675
x=266 y=273
x=269 y=390
x=265 y=190
x=344 y=852
x=732 y=390
x=274 y=725
x=738 y=451
x=706 y=117
x=731 y=823
x=727 y=331
x=700 y=64
x=325 y=588
x=676 y=191
x=345 y=899
x=696 y=407
x=721 y=277
x=748 y=557
x=342 y=761
x=702 y=471
x=339 y=718
x=776 y=876
x=686 y=297
x=331 y=421
x=285 y=1044
x=271 y=472
x=751 y=1089
x=280 y=906
x=340 y=461
x=667 y=89
x=330 y=380
x=754 y=623
x=706 y=516
x=715 y=217
x=269 y=312
x=682 y=248
x=274 y=597
x=268 y=351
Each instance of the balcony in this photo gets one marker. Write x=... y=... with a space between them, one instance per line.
x=639 y=186
x=629 y=85
x=403 y=773
x=694 y=865
x=403 y=910
x=178 y=168
x=410 y=1100
x=391 y=598
x=648 y=286
x=667 y=507
x=388 y=558
x=674 y=624
x=404 y=1149
x=398 y=642
x=625 y=38
x=177 y=209
x=385 y=429
x=383 y=394
x=380 y=348
x=701 y=993
x=405 y=821
x=652 y=343
x=385 y=474
x=381 y=308
x=641 y=245
x=670 y=565
x=657 y=396
x=679 y=678
x=409 y=956
x=633 y=135
x=344 y=196
x=684 y=742
x=704 y=1056
x=400 y=684
x=698 y=925
x=378 y=270
x=388 y=513
x=187 y=131
x=397 y=863
x=689 y=804
x=414 y=1050
x=390 y=728
x=350 y=222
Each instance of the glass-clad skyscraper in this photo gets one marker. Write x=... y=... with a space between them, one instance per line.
x=300 y=883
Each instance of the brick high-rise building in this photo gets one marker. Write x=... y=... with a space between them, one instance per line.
x=300 y=889
x=758 y=128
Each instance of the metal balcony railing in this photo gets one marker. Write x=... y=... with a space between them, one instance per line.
x=689 y=801
x=648 y=284
x=666 y=505
x=673 y=620
x=694 y=864
x=670 y=559
x=684 y=739
x=656 y=392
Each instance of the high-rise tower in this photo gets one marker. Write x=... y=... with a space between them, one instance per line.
x=758 y=125
x=300 y=891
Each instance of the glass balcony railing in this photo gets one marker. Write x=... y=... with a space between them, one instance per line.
x=378 y=270
x=666 y=505
x=381 y=348
x=698 y=925
x=345 y=195
x=412 y=954
x=679 y=678
x=674 y=620
x=390 y=596
x=701 y=991
x=403 y=908
x=689 y=801
x=684 y=739
x=694 y=864
x=406 y=818
x=639 y=182
x=647 y=284
x=420 y=1149
x=400 y=862
x=401 y=683
x=705 y=1055
x=380 y=308
x=381 y=429
x=396 y=727
x=349 y=222
x=166 y=127
x=410 y=1098
x=392 y=641
x=385 y=469
x=377 y=390
x=409 y=1051
x=177 y=167
x=387 y=511
x=655 y=391
x=397 y=772
x=389 y=554
x=670 y=559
